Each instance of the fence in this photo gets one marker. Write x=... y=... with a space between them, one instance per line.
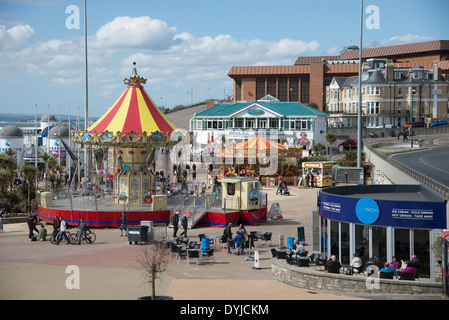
x=347 y=175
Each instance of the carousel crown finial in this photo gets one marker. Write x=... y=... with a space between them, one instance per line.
x=135 y=78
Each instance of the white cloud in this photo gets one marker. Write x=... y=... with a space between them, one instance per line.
x=408 y=38
x=16 y=37
x=139 y=32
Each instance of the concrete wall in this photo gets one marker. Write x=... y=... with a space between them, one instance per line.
x=396 y=175
x=306 y=278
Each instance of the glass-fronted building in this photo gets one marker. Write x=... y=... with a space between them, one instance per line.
x=289 y=123
x=380 y=221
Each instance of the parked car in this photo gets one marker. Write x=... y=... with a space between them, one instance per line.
x=417 y=124
x=349 y=144
x=439 y=123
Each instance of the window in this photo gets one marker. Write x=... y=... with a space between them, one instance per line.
x=399 y=107
x=260 y=88
x=271 y=87
x=230 y=189
x=293 y=91
x=282 y=89
x=402 y=244
x=399 y=91
x=238 y=89
x=305 y=90
x=421 y=248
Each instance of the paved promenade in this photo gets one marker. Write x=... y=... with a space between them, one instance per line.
x=109 y=268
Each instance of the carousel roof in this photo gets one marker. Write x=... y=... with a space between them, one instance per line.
x=259 y=143
x=134 y=112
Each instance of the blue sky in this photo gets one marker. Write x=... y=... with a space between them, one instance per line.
x=181 y=45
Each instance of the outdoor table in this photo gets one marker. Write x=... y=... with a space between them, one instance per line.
x=215 y=239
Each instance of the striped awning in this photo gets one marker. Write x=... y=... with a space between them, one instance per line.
x=259 y=143
x=133 y=111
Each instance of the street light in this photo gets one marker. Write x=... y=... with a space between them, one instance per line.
x=359 y=109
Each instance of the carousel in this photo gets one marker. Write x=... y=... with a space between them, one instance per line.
x=255 y=157
x=130 y=131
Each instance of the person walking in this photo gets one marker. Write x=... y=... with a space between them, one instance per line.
x=184 y=226
x=62 y=232
x=175 y=222
x=123 y=224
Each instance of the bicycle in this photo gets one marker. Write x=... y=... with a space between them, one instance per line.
x=89 y=238
x=54 y=237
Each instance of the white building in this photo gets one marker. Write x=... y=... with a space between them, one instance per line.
x=293 y=124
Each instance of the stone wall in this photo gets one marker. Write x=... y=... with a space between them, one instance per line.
x=308 y=278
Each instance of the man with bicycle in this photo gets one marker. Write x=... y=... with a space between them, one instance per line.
x=82 y=230
x=62 y=232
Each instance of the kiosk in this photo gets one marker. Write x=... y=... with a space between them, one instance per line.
x=321 y=171
x=240 y=193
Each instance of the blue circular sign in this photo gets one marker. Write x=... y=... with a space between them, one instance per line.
x=367 y=210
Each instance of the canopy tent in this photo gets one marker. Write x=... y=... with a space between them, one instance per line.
x=134 y=112
x=259 y=143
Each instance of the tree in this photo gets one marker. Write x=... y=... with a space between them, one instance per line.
x=46 y=156
x=314 y=105
x=154 y=261
x=330 y=139
x=318 y=148
x=30 y=173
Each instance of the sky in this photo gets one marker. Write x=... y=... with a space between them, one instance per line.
x=184 y=48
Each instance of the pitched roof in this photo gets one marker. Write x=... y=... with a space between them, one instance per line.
x=396 y=50
x=284 y=108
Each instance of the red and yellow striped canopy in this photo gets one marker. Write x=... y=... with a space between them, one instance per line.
x=259 y=143
x=133 y=111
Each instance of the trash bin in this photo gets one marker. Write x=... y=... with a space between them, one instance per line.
x=290 y=242
x=205 y=244
x=137 y=234
x=392 y=134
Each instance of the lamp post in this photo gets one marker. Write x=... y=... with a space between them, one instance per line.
x=359 y=109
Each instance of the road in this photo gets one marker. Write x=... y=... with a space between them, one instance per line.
x=434 y=163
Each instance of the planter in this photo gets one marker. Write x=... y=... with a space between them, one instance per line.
x=156 y=298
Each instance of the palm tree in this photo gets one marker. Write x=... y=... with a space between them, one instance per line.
x=318 y=148
x=30 y=173
x=46 y=156
x=330 y=139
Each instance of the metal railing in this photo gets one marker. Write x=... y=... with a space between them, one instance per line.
x=435 y=185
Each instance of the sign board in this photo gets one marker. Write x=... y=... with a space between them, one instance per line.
x=275 y=211
x=281 y=241
x=301 y=234
x=256 y=260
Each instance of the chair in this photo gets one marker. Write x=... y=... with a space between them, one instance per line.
x=274 y=253
x=289 y=260
x=231 y=246
x=193 y=254
x=254 y=238
x=321 y=261
x=181 y=253
x=223 y=241
x=407 y=276
x=386 y=275
x=208 y=255
x=267 y=237
x=192 y=244
x=303 y=262
x=281 y=254
x=173 y=249
x=313 y=258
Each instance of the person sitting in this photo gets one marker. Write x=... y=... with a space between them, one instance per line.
x=387 y=271
x=394 y=263
x=42 y=233
x=409 y=269
x=333 y=265
x=298 y=251
x=356 y=264
x=417 y=264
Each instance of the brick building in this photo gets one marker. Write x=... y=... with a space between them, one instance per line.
x=307 y=79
